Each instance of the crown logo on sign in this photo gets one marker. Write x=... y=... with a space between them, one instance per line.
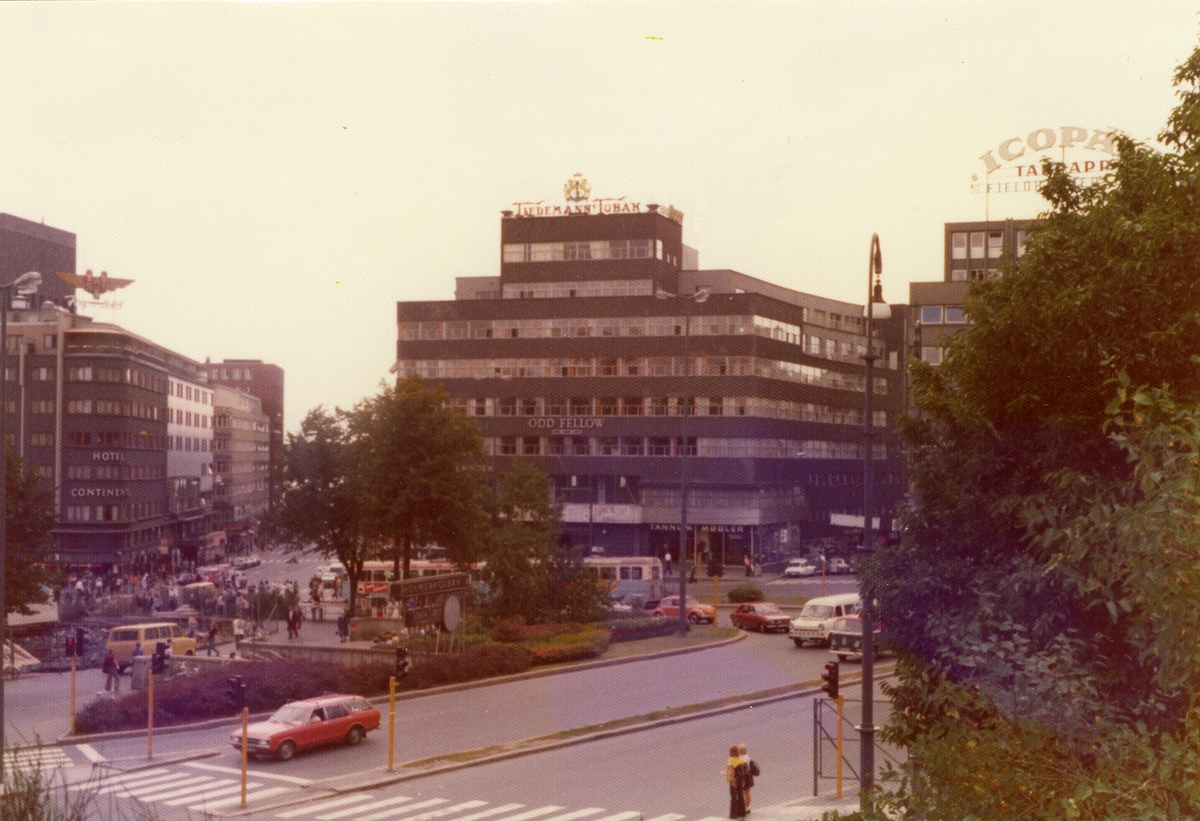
x=577 y=189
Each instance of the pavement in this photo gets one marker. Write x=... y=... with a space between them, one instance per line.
x=324 y=633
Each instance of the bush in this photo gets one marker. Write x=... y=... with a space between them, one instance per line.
x=589 y=643
x=487 y=661
x=745 y=593
x=642 y=628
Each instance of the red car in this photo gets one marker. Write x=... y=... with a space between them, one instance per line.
x=762 y=616
x=313 y=722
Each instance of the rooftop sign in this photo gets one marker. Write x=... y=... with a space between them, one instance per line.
x=1016 y=164
x=577 y=193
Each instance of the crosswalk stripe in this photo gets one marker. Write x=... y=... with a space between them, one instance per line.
x=291 y=779
x=216 y=793
x=147 y=792
x=571 y=816
x=493 y=811
x=432 y=814
x=528 y=814
x=337 y=802
x=621 y=816
x=237 y=799
x=432 y=802
x=190 y=787
x=357 y=808
x=671 y=817
x=137 y=784
x=89 y=752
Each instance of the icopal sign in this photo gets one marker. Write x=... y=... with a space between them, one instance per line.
x=1044 y=139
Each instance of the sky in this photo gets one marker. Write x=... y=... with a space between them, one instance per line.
x=276 y=176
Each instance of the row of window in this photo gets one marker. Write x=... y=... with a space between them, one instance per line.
x=116 y=439
x=611 y=327
x=588 y=288
x=102 y=407
x=574 y=251
x=982 y=244
x=756 y=406
x=123 y=472
x=114 y=513
x=231 y=374
x=178 y=416
x=676 y=446
x=943 y=314
x=437 y=369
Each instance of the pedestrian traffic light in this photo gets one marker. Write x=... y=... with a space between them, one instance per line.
x=236 y=692
x=401 y=662
x=830 y=676
x=69 y=647
x=80 y=646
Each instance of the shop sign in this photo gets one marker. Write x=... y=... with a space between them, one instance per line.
x=700 y=528
x=100 y=492
x=577 y=192
x=567 y=425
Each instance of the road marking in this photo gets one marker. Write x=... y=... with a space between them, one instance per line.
x=36 y=758
x=136 y=782
x=431 y=803
x=291 y=779
x=337 y=802
x=146 y=792
x=90 y=753
x=399 y=799
x=621 y=816
x=525 y=816
x=571 y=816
x=237 y=799
x=673 y=817
x=208 y=794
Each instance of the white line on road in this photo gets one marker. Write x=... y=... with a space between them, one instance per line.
x=291 y=779
x=90 y=753
x=237 y=799
x=337 y=802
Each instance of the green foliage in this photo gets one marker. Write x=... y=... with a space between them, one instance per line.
x=29 y=511
x=1043 y=594
x=744 y=593
x=41 y=794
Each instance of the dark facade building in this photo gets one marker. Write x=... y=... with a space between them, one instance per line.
x=266 y=382
x=120 y=426
x=603 y=355
x=32 y=246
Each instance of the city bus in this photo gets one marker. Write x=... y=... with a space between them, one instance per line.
x=633 y=580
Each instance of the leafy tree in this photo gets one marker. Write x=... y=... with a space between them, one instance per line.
x=419 y=461
x=29 y=514
x=322 y=494
x=1043 y=591
x=531 y=575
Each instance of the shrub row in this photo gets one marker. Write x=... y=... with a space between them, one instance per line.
x=642 y=628
x=586 y=644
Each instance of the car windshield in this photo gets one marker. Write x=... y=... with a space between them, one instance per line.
x=768 y=609
x=290 y=714
x=816 y=611
x=848 y=626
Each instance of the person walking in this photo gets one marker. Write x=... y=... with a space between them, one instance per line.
x=667 y=563
x=239 y=633
x=212 y=639
x=343 y=625
x=112 y=673
x=751 y=772
x=736 y=771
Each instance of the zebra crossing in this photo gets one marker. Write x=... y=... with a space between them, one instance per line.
x=36 y=758
x=197 y=787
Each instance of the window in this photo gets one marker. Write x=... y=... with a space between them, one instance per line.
x=581 y=406
x=954 y=314
x=931 y=354
x=660 y=406
x=41 y=438
x=531 y=445
x=41 y=406
x=958 y=246
x=79 y=438
x=977 y=244
x=631 y=406
x=529 y=407
x=508 y=446
x=931 y=314
x=507 y=406
x=609 y=445
x=608 y=406
x=632 y=446
x=995 y=244
x=716 y=406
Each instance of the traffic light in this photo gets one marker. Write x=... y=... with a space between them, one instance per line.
x=80 y=646
x=830 y=676
x=236 y=692
x=401 y=662
x=69 y=647
x=716 y=568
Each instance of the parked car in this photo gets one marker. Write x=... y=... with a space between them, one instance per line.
x=799 y=567
x=668 y=607
x=122 y=640
x=765 y=617
x=313 y=722
x=819 y=614
x=244 y=562
x=845 y=638
x=837 y=566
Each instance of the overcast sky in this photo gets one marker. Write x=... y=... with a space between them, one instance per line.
x=275 y=177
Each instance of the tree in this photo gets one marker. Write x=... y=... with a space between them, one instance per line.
x=29 y=514
x=322 y=494
x=1053 y=461
x=532 y=575
x=421 y=463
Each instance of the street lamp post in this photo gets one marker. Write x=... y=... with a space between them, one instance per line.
x=700 y=295
x=24 y=284
x=875 y=308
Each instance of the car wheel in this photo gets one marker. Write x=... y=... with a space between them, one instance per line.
x=693 y=618
x=842 y=656
x=798 y=642
x=190 y=653
x=355 y=736
x=286 y=751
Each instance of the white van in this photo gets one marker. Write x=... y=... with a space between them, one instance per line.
x=819 y=614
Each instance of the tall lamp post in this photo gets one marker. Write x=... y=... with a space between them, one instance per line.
x=699 y=295
x=875 y=308
x=24 y=284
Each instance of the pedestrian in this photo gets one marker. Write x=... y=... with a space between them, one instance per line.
x=212 y=639
x=667 y=563
x=137 y=649
x=736 y=771
x=752 y=772
x=749 y=566
x=239 y=632
x=112 y=673
x=343 y=625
